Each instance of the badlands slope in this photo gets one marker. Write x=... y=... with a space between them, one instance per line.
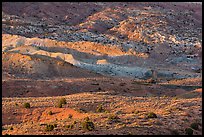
x=131 y=57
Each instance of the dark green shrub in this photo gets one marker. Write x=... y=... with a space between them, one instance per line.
x=87 y=124
x=194 y=126
x=189 y=131
x=49 y=128
x=151 y=115
x=50 y=113
x=26 y=105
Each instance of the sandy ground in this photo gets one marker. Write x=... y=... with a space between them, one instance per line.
x=172 y=114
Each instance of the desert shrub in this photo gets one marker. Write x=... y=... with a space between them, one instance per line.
x=49 y=127
x=113 y=118
x=69 y=126
x=151 y=115
x=135 y=111
x=3 y=128
x=26 y=105
x=194 y=126
x=55 y=125
x=70 y=116
x=87 y=124
x=50 y=113
x=174 y=132
x=189 y=131
x=106 y=111
x=174 y=98
x=74 y=122
x=63 y=101
x=100 y=108
x=81 y=110
x=59 y=105
x=16 y=104
x=19 y=43
x=86 y=119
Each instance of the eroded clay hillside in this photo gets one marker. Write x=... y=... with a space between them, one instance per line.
x=126 y=39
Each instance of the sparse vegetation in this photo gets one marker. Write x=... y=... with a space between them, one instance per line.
x=49 y=127
x=26 y=105
x=87 y=124
x=189 y=131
